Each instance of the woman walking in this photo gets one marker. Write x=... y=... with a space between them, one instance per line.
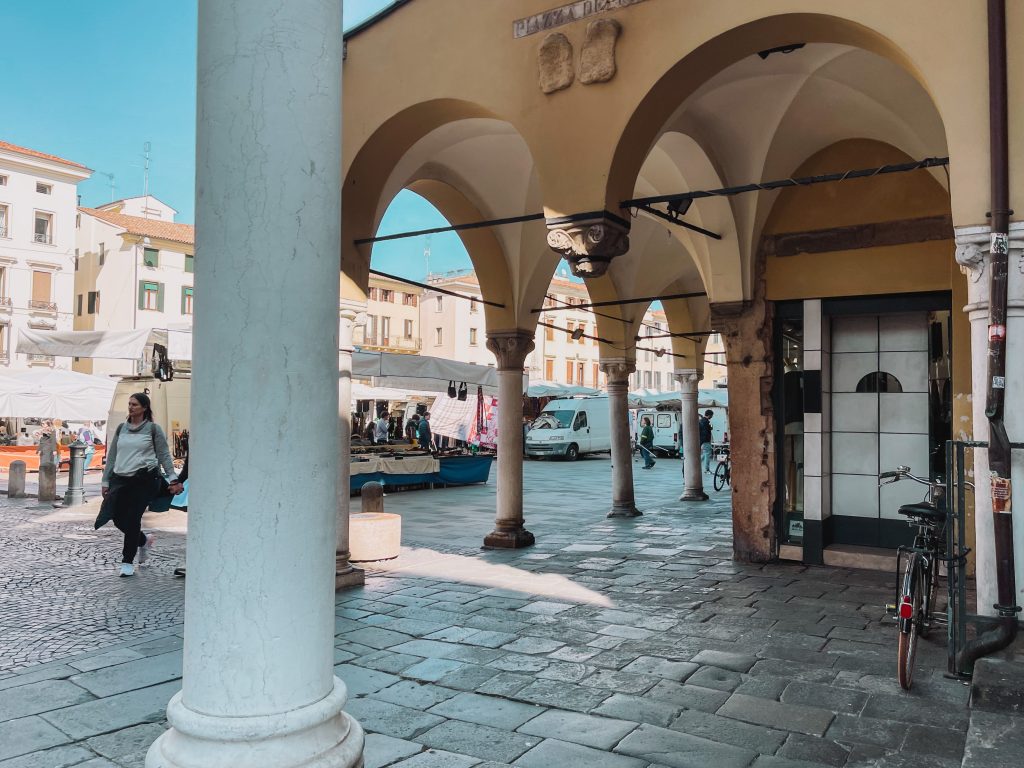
x=131 y=478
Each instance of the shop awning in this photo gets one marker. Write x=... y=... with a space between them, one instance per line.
x=51 y=394
x=420 y=372
x=112 y=345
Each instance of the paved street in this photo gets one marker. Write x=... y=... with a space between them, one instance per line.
x=618 y=643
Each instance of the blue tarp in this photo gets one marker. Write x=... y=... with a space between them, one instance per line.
x=455 y=470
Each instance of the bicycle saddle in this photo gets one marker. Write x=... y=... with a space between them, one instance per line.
x=923 y=510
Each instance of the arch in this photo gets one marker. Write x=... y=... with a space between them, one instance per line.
x=419 y=149
x=726 y=62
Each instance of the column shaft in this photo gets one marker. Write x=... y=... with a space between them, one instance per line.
x=258 y=682
x=693 y=478
x=511 y=349
x=345 y=574
x=623 y=495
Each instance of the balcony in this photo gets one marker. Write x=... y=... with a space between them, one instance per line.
x=41 y=360
x=5 y=358
x=3 y=230
x=6 y=306
x=411 y=345
x=43 y=237
x=42 y=306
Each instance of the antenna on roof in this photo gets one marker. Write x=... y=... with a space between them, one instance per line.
x=112 y=185
x=426 y=253
x=145 y=176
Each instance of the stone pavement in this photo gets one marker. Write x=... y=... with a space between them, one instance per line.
x=618 y=643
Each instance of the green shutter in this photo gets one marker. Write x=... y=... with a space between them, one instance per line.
x=151 y=257
x=142 y=294
x=190 y=262
x=160 y=297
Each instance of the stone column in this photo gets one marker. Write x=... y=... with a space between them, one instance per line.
x=746 y=330
x=973 y=255
x=345 y=574
x=693 y=477
x=617 y=373
x=511 y=349
x=258 y=682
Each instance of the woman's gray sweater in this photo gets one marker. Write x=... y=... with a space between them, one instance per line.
x=132 y=450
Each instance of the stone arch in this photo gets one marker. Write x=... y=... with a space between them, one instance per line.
x=418 y=149
x=662 y=110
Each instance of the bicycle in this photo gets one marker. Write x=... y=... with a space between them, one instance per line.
x=918 y=579
x=723 y=472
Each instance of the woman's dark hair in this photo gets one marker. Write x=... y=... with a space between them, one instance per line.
x=143 y=399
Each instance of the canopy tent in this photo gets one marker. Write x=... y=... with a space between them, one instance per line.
x=113 y=345
x=706 y=398
x=421 y=372
x=364 y=392
x=555 y=389
x=54 y=394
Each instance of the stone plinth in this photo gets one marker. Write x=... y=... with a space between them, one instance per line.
x=374 y=536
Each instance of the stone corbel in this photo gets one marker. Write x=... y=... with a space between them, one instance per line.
x=510 y=348
x=974 y=244
x=589 y=244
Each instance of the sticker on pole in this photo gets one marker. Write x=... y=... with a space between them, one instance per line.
x=998 y=382
x=999 y=243
x=997 y=332
x=1001 y=495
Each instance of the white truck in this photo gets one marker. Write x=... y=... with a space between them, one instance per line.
x=666 y=430
x=570 y=428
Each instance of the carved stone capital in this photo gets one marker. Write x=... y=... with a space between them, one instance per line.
x=510 y=348
x=971 y=259
x=688 y=380
x=589 y=245
x=617 y=370
x=974 y=249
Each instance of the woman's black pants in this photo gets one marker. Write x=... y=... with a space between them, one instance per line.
x=134 y=493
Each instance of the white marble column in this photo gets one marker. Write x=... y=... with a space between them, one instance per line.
x=510 y=348
x=973 y=254
x=258 y=682
x=345 y=574
x=693 y=478
x=616 y=373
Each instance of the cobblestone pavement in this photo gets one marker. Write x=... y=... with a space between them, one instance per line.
x=618 y=643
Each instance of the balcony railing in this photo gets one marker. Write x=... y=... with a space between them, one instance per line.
x=3 y=230
x=398 y=343
x=41 y=360
x=5 y=301
x=5 y=358
x=43 y=237
x=42 y=306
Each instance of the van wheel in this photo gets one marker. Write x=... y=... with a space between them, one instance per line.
x=572 y=452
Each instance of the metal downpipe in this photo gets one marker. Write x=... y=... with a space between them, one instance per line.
x=999 y=443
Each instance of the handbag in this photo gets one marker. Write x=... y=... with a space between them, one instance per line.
x=162 y=501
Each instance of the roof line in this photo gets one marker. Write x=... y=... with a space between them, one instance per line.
x=379 y=15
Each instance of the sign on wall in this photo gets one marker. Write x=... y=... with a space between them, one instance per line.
x=566 y=14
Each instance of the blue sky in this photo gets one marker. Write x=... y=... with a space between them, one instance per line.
x=93 y=81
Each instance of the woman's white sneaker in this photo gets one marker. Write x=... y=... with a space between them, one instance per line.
x=145 y=549
x=127 y=569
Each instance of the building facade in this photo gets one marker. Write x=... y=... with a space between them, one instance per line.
x=392 y=318
x=135 y=270
x=38 y=203
x=566 y=346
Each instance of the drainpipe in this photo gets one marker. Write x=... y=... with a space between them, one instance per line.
x=999 y=443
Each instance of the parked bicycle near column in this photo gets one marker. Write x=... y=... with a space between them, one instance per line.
x=917 y=569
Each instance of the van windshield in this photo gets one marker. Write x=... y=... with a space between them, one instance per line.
x=554 y=420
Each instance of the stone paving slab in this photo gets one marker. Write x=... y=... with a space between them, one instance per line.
x=621 y=643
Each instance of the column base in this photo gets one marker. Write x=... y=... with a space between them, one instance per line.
x=514 y=539
x=349 y=576
x=624 y=510
x=693 y=495
x=296 y=739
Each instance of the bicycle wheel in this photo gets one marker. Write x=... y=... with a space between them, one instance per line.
x=909 y=620
x=721 y=476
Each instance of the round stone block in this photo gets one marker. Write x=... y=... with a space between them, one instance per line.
x=374 y=536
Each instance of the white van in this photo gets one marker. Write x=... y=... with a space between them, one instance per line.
x=666 y=425
x=569 y=428
x=170 y=400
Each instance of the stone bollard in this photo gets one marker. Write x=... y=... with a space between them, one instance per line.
x=75 y=494
x=372 y=494
x=16 y=481
x=47 y=482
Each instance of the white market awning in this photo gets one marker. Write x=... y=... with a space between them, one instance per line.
x=706 y=398
x=52 y=394
x=112 y=345
x=421 y=372
x=555 y=389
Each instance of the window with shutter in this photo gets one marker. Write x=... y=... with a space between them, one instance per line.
x=190 y=262
x=186 y=300
x=150 y=296
x=151 y=257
